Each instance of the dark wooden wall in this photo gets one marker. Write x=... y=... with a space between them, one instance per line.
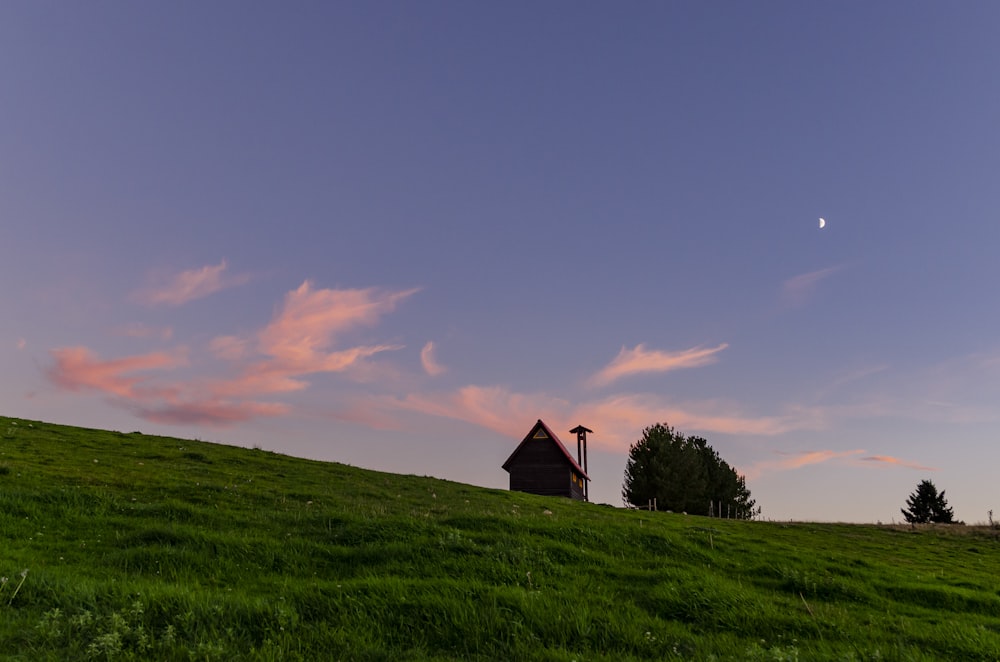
x=541 y=468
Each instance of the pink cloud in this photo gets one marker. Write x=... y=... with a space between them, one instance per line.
x=299 y=341
x=798 y=460
x=895 y=461
x=624 y=416
x=797 y=289
x=278 y=376
x=189 y=285
x=492 y=407
x=639 y=360
x=706 y=417
x=429 y=362
x=617 y=420
x=77 y=368
x=21 y=343
x=310 y=319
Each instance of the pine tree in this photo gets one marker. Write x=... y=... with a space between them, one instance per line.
x=926 y=505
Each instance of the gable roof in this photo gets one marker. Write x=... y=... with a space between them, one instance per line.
x=533 y=435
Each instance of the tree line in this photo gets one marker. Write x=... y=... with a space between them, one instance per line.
x=667 y=470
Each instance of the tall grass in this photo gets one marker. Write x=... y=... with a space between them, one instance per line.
x=143 y=547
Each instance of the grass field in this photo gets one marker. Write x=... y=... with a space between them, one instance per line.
x=123 y=546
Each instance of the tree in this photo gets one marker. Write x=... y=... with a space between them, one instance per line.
x=926 y=505
x=683 y=474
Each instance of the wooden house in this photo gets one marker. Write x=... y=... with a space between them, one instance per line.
x=541 y=464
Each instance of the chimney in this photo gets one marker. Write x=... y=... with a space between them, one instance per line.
x=581 y=446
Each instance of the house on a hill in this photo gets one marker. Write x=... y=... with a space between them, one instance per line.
x=541 y=464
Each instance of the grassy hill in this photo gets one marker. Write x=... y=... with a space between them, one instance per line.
x=141 y=547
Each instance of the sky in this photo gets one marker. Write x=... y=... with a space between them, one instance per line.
x=396 y=234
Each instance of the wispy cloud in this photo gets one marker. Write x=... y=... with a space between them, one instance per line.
x=311 y=319
x=300 y=340
x=178 y=289
x=283 y=376
x=797 y=289
x=895 y=461
x=639 y=360
x=78 y=369
x=633 y=412
x=617 y=420
x=798 y=460
x=791 y=461
x=429 y=361
x=494 y=407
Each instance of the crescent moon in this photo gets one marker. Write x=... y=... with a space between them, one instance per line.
x=822 y=223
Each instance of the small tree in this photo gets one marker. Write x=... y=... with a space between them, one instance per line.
x=926 y=505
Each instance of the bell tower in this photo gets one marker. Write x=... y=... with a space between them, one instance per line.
x=581 y=454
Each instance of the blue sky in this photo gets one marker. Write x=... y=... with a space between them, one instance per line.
x=396 y=234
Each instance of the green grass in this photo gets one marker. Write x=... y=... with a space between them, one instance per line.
x=140 y=547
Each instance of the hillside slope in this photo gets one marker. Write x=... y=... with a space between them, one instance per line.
x=143 y=547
